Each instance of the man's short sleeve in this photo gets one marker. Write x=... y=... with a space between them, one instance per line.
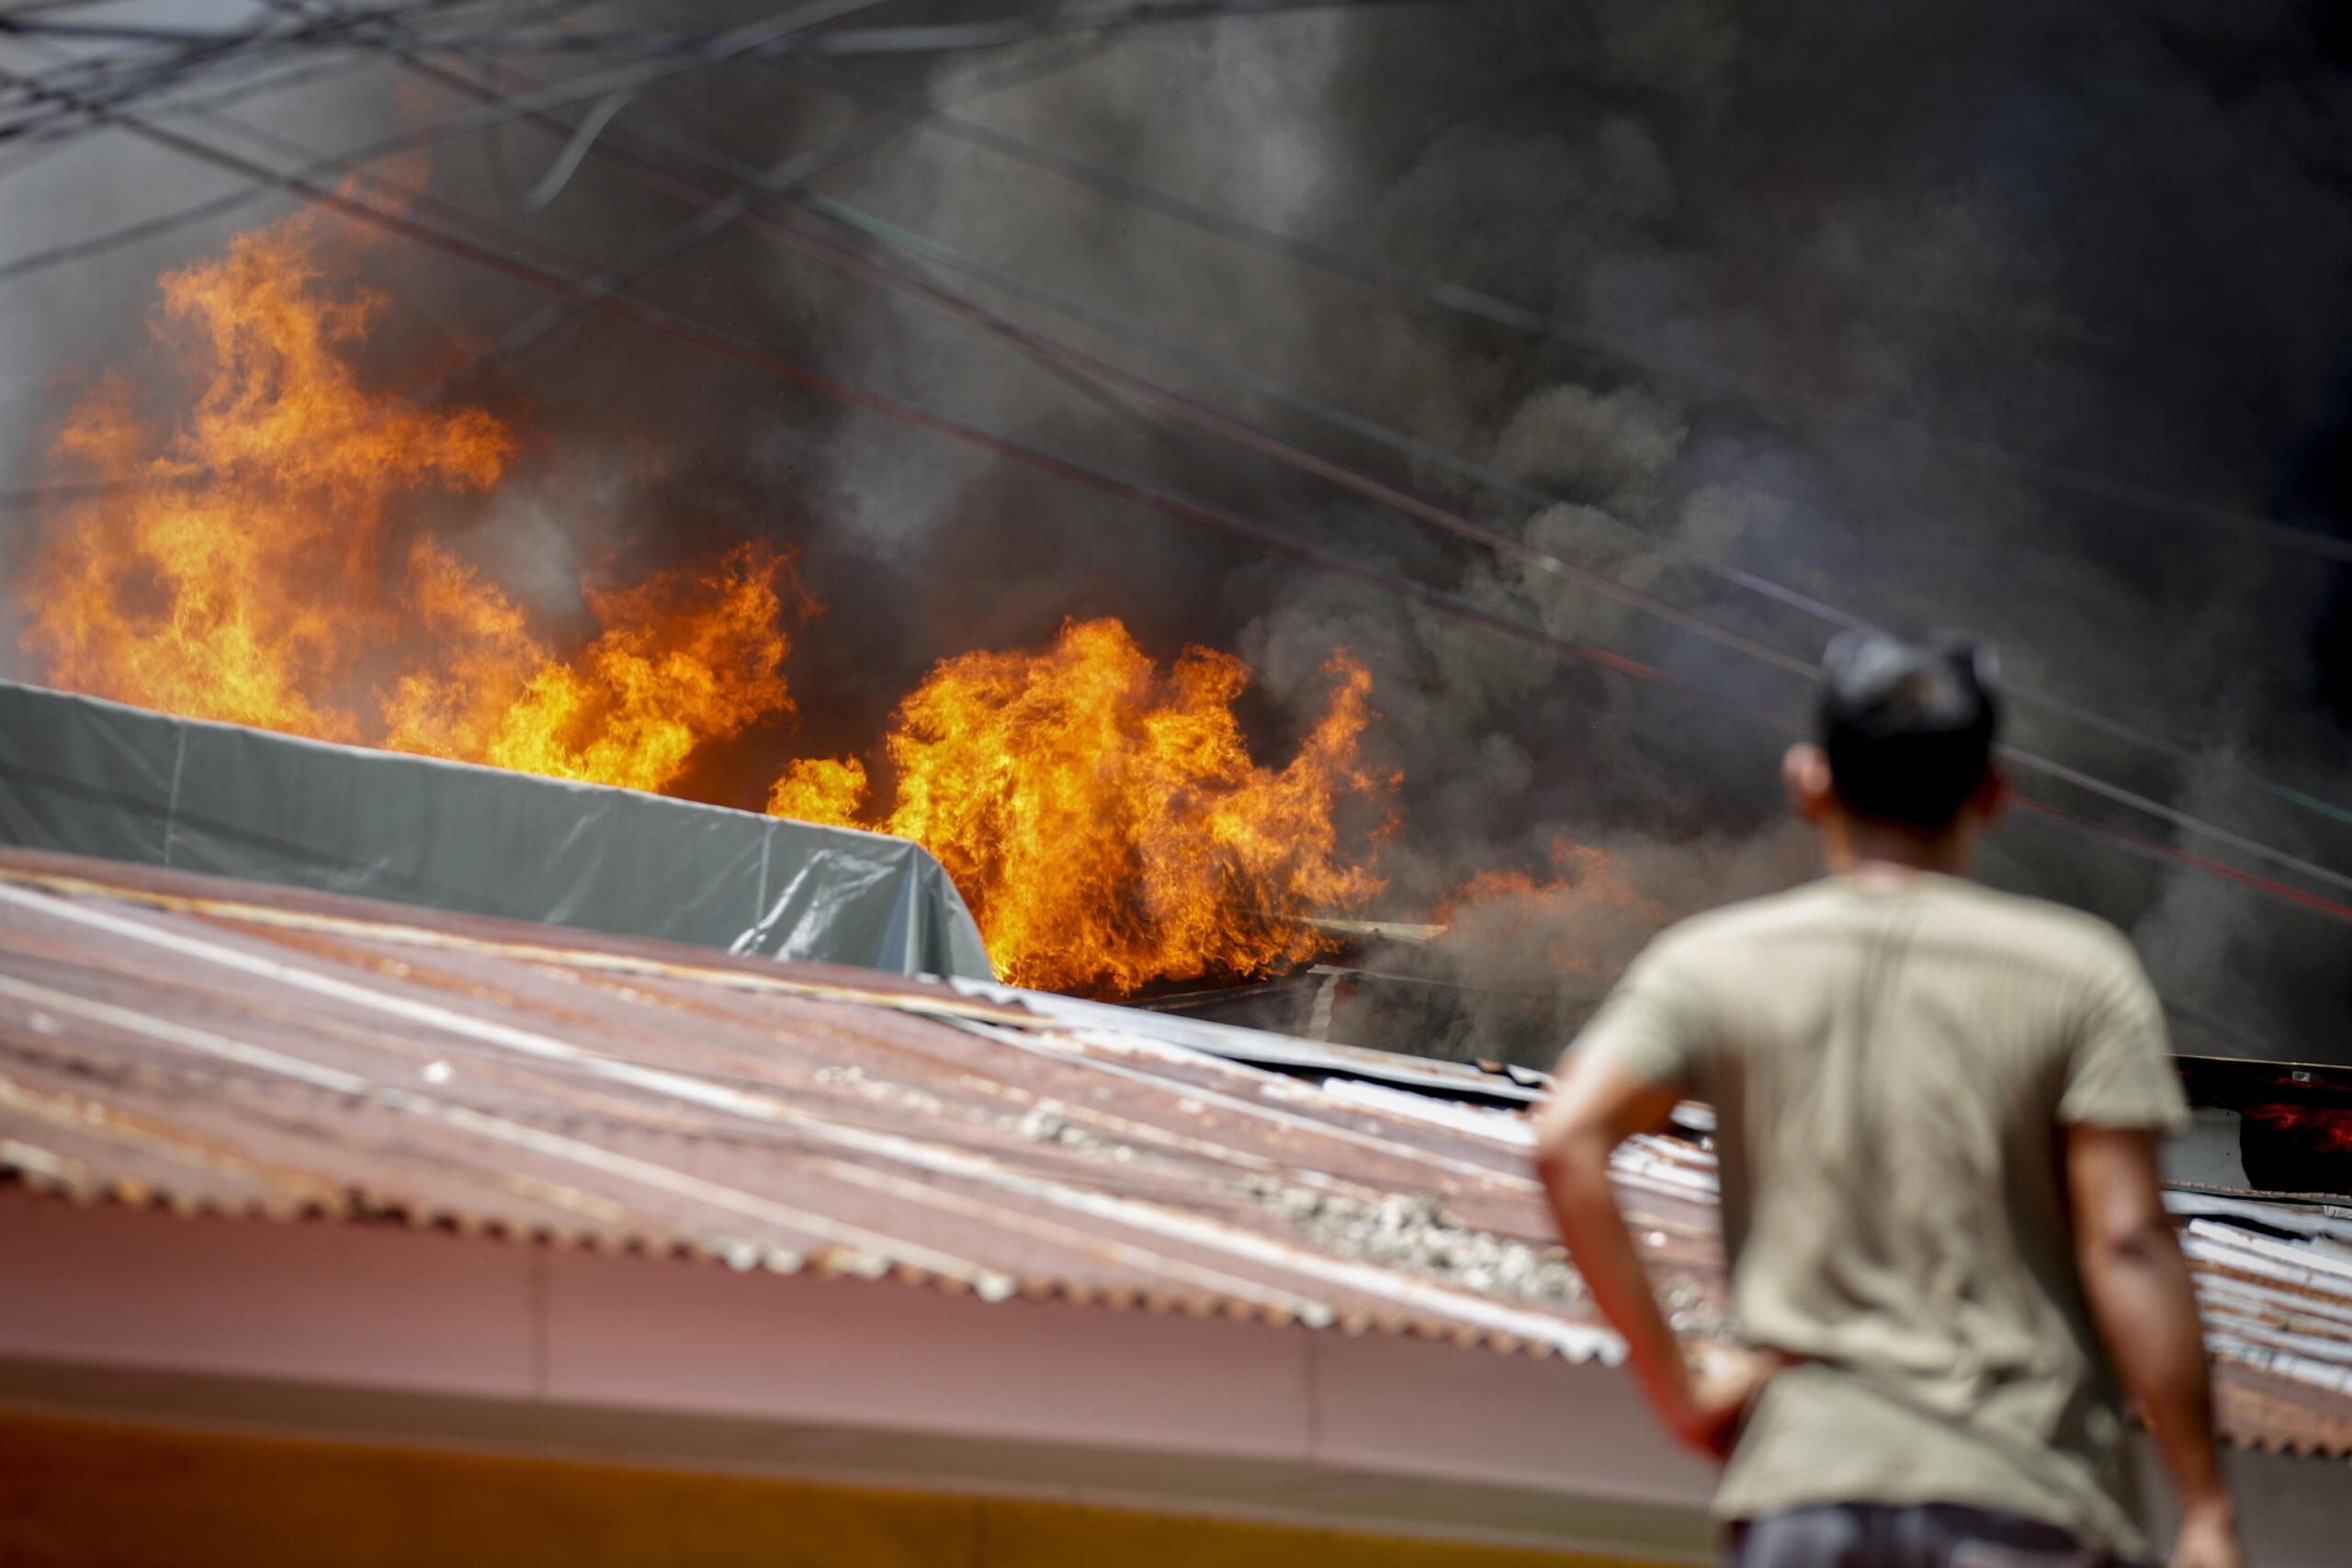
x=1653 y=1024
x=2120 y=1074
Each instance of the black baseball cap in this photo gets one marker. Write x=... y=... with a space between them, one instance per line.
x=1908 y=725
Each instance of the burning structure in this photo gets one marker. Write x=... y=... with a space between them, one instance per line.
x=261 y=558
x=761 y=1237
x=258 y=547
x=1618 y=289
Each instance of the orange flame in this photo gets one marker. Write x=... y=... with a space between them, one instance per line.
x=256 y=560
x=828 y=790
x=1104 y=816
x=252 y=568
x=685 y=657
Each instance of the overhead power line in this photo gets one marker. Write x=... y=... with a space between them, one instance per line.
x=1487 y=477
x=719 y=216
x=225 y=86
x=23 y=8
x=1453 y=296
x=1501 y=483
x=594 y=84
x=789 y=183
x=1134 y=491
x=1051 y=352
x=911 y=39
x=1462 y=300
x=1528 y=494
x=67 y=93
x=717 y=213
x=932 y=37
x=513 y=107
x=1170 y=401
x=720 y=213
x=211 y=84
x=30 y=22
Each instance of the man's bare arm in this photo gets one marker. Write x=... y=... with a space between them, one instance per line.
x=2145 y=1306
x=1595 y=1105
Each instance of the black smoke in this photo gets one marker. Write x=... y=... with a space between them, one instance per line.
x=1822 y=257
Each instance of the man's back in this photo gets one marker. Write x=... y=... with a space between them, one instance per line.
x=1891 y=1061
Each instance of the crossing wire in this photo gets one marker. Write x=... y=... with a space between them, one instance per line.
x=1462 y=300
x=1134 y=491
x=1482 y=475
x=737 y=209
x=721 y=214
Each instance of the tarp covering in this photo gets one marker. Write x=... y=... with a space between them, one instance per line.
x=98 y=778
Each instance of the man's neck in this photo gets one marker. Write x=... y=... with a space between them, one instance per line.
x=1872 y=851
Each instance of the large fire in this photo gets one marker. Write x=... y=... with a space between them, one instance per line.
x=259 y=558
x=1104 y=816
x=250 y=562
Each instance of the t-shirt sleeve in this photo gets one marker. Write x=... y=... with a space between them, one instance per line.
x=1653 y=1024
x=2120 y=1074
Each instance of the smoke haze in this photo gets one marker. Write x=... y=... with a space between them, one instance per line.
x=2111 y=237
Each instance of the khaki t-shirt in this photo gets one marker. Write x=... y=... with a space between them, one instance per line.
x=1890 y=1063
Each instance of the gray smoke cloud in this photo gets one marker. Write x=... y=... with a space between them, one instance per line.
x=2094 y=236
x=2098 y=234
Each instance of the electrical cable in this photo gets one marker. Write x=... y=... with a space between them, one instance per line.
x=18 y=24
x=576 y=89
x=1520 y=490
x=597 y=85
x=1173 y=402
x=1462 y=300
x=717 y=213
x=302 y=73
x=904 y=239
x=44 y=8
x=163 y=74
x=2173 y=750
x=833 y=155
x=755 y=181
x=1494 y=539
x=935 y=38
x=1096 y=370
x=789 y=184
x=207 y=51
x=68 y=128
x=48 y=108
x=1463 y=527
x=244 y=195
x=909 y=39
x=1051 y=352
x=1264 y=539
x=1134 y=491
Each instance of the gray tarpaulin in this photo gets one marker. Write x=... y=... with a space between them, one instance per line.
x=98 y=778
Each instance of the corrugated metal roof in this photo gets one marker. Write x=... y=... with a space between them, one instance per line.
x=221 y=1047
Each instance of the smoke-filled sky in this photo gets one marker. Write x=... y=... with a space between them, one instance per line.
x=1813 y=263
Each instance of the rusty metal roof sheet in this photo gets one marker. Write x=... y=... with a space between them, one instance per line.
x=221 y=1047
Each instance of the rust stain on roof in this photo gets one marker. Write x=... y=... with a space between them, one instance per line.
x=223 y=1047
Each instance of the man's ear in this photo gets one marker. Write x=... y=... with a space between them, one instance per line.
x=1804 y=769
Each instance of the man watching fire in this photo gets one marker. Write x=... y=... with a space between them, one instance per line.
x=1938 y=1108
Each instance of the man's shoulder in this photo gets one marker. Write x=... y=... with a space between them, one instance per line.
x=2035 y=932
x=2032 y=930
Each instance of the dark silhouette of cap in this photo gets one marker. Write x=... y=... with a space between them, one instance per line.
x=1908 y=725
